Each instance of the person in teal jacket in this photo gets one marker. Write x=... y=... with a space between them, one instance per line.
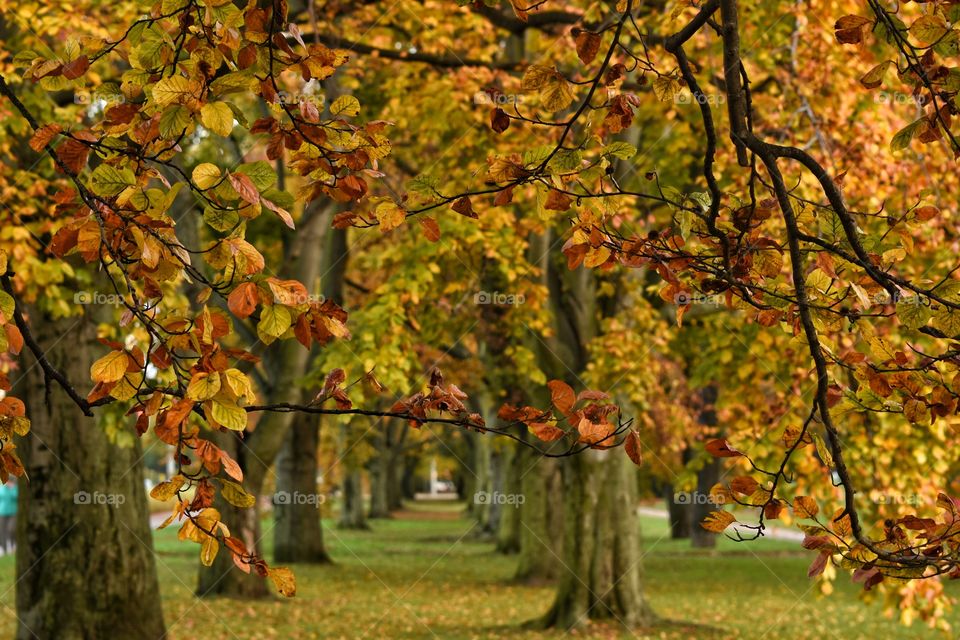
x=8 y=516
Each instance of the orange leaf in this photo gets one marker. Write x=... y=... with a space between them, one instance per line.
x=562 y=395
x=632 y=447
x=431 y=230
x=720 y=448
x=464 y=208
x=42 y=136
x=243 y=300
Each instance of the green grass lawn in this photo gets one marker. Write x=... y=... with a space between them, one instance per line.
x=422 y=576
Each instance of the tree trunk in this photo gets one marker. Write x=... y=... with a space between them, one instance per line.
x=708 y=476
x=85 y=561
x=601 y=576
x=298 y=535
x=394 y=482
x=379 y=478
x=508 y=533
x=541 y=520
x=678 y=513
x=352 y=515
x=409 y=480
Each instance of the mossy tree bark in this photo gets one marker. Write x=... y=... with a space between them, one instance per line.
x=85 y=564
x=601 y=576
x=541 y=520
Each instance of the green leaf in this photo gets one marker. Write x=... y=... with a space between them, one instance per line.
x=423 y=184
x=903 y=137
x=108 y=181
x=261 y=173
x=174 y=121
x=236 y=495
x=619 y=149
x=912 y=312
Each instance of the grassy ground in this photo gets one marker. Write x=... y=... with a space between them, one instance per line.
x=422 y=576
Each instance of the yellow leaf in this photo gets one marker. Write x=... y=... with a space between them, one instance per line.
x=167 y=489
x=110 y=367
x=284 y=580
x=203 y=386
x=345 y=106
x=665 y=88
x=555 y=91
x=170 y=90
x=274 y=321
x=805 y=507
x=231 y=417
x=217 y=117
x=239 y=384
x=208 y=550
x=205 y=175
x=390 y=216
x=127 y=386
x=717 y=521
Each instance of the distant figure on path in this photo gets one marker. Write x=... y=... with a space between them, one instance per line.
x=8 y=516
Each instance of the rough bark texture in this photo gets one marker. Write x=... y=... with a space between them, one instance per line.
x=541 y=521
x=601 y=576
x=298 y=536
x=85 y=563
